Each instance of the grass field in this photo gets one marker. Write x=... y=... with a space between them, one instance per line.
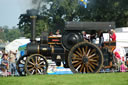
x=73 y=79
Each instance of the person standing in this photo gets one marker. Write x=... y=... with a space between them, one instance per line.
x=122 y=67
x=85 y=36
x=113 y=35
x=101 y=39
x=5 y=64
x=93 y=36
x=12 y=58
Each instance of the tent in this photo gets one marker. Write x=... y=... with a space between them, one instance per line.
x=14 y=45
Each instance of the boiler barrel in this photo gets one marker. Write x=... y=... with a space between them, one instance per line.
x=44 y=49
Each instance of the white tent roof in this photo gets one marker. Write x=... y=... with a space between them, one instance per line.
x=14 y=45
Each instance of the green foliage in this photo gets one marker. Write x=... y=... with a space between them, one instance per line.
x=57 y=12
x=41 y=26
x=13 y=34
x=76 y=79
x=9 y=34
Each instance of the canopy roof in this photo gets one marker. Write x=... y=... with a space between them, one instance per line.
x=89 y=26
x=14 y=45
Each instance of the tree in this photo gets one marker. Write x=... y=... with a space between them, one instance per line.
x=97 y=10
x=25 y=25
x=57 y=12
x=9 y=34
x=13 y=34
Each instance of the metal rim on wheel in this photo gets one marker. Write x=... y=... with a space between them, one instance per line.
x=85 y=57
x=36 y=64
x=20 y=65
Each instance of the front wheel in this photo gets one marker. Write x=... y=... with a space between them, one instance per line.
x=85 y=57
x=36 y=64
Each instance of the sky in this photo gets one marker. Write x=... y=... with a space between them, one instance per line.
x=10 y=10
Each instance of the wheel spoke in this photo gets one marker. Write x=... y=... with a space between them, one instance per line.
x=29 y=65
x=88 y=52
x=79 y=54
x=78 y=67
x=42 y=65
x=74 y=62
x=87 y=68
x=77 y=58
x=77 y=64
x=96 y=57
x=86 y=49
x=81 y=67
x=84 y=69
x=80 y=50
x=36 y=70
x=33 y=72
x=31 y=62
x=76 y=55
x=36 y=59
x=92 y=60
x=39 y=71
x=92 y=55
x=31 y=69
x=92 y=65
x=94 y=50
x=83 y=51
x=90 y=69
x=41 y=62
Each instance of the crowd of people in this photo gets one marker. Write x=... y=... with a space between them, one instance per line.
x=8 y=64
x=99 y=34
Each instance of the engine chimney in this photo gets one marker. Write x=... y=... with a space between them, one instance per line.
x=33 y=13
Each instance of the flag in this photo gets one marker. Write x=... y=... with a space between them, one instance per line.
x=83 y=3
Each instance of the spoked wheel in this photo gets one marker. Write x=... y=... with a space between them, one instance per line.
x=85 y=57
x=20 y=65
x=36 y=64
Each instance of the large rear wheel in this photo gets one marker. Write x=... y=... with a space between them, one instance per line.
x=85 y=57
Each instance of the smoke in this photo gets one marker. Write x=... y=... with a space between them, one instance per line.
x=31 y=4
x=36 y=4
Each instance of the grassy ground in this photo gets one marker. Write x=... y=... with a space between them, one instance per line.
x=73 y=79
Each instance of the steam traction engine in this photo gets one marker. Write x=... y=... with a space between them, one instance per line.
x=71 y=49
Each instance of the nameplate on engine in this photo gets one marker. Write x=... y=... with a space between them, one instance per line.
x=44 y=49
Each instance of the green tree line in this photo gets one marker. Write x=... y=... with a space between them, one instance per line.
x=7 y=34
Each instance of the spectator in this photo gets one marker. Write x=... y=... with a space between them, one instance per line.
x=50 y=34
x=84 y=36
x=58 y=32
x=101 y=38
x=5 y=63
x=113 y=35
x=118 y=57
x=123 y=67
x=93 y=36
x=12 y=57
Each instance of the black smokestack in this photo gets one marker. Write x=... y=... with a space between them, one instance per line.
x=33 y=13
